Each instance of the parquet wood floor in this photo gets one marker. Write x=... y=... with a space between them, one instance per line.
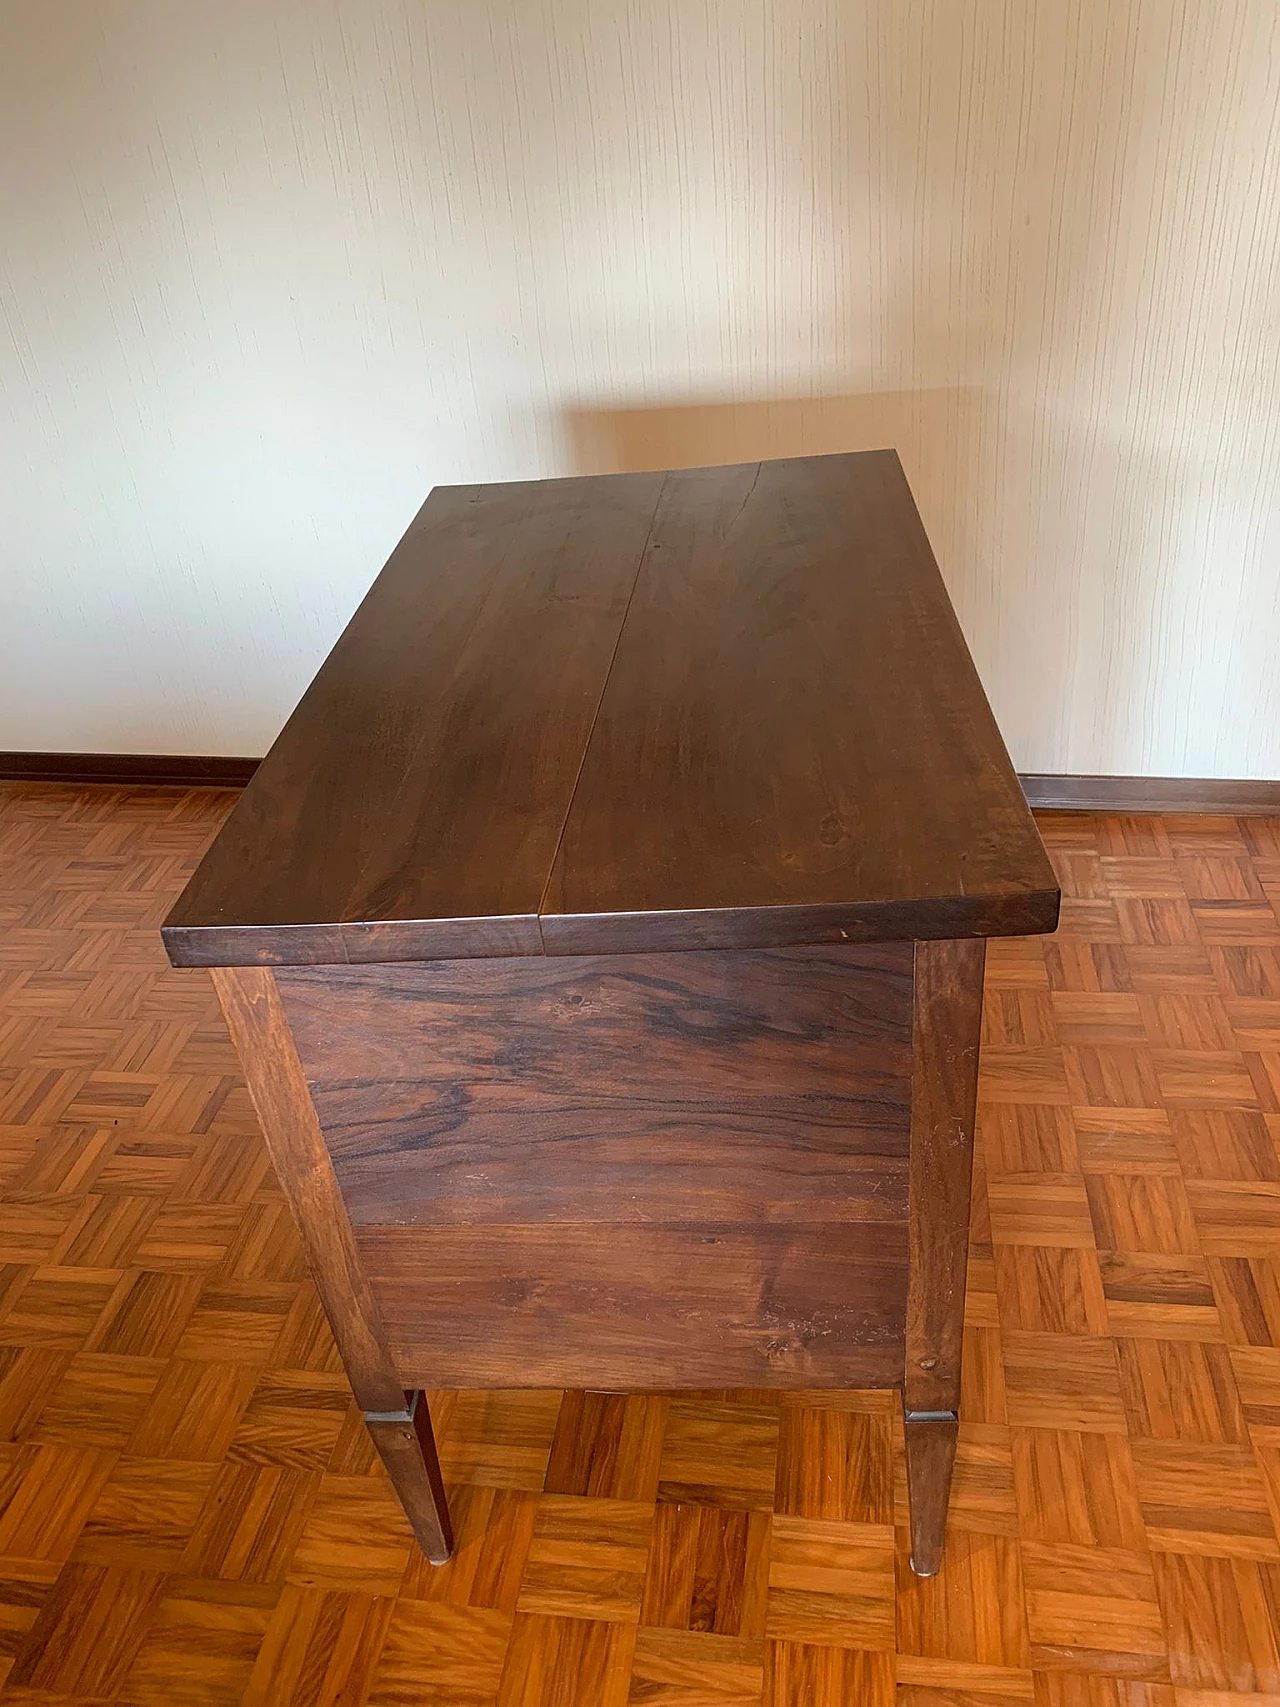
x=190 y=1512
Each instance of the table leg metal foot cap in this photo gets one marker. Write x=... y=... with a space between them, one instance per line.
x=920 y=1573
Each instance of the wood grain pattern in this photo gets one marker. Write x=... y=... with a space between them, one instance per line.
x=944 y=1086
x=623 y=1172
x=544 y=731
x=408 y=1449
x=608 y=1305
x=260 y=1029
x=696 y=1088
x=672 y=804
x=931 y=1438
x=867 y=784
x=251 y=1005
x=947 y=1005
x=466 y=685
x=191 y=1508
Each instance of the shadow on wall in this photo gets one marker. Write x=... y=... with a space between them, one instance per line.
x=959 y=445
x=696 y=435
x=936 y=431
x=1100 y=492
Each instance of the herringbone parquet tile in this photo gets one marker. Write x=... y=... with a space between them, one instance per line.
x=190 y=1511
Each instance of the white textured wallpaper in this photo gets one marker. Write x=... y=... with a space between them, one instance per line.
x=273 y=268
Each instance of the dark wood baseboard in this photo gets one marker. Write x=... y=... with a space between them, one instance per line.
x=168 y=770
x=1255 y=799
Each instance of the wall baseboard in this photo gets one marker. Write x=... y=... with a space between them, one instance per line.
x=169 y=770
x=1045 y=793
x=1252 y=799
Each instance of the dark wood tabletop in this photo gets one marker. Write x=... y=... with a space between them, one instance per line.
x=722 y=707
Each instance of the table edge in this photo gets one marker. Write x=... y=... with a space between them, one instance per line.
x=360 y=943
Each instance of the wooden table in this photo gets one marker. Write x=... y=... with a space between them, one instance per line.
x=603 y=942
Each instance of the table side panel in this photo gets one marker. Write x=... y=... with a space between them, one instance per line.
x=698 y=1088
x=644 y=1171
x=636 y=1307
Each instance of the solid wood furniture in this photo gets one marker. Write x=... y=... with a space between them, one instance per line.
x=603 y=942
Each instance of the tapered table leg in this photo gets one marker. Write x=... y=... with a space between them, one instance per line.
x=931 y=1453
x=407 y=1448
x=398 y=1421
x=946 y=1026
